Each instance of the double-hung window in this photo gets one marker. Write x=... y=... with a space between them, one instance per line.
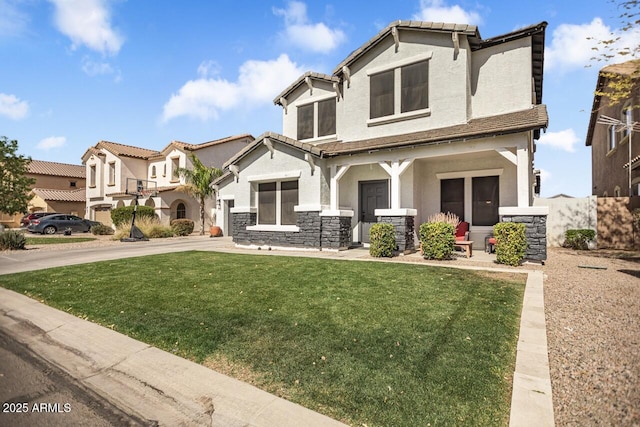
x=403 y=89
x=276 y=202
x=317 y=119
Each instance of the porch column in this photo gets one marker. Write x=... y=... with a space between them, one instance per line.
x=336 y=173
x=395 y=169
x=523 y=178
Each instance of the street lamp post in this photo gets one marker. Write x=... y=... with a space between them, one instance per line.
x=619 y=125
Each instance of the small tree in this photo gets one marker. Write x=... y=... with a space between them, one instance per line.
x=199 y=182
x=14 y=185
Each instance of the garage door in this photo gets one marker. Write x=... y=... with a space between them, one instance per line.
x=103 y=215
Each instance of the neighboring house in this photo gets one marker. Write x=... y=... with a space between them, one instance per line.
x=613 y=146
x=58 y=187
x=109 y=164
x=424 y=117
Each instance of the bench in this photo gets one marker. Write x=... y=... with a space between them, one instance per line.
x=467 y=246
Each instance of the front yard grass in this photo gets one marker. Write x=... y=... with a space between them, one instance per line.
x=381 y=344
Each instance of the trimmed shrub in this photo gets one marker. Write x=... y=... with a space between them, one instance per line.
x=511 y=242
x=12 y=240
x=101 y=230
x=158 y=231
x=437 y=240
x=124 y=214
x=578 y=239
x=382 y=240
x=182 y=227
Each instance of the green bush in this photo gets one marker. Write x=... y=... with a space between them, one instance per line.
x=182 y=227
x=437 y=240
x=124 y=214
x=511 y=242
x=101 y=230
x=158 y=231
x=578 y=239
x=12 y=240
x=382 y=240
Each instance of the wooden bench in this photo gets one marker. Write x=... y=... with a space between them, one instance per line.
x=467 y=246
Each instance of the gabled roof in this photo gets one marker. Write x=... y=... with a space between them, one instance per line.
x=536 y=32
x=42 y=167
x=441 y=27
x=532 y=119
x=629 y=68
x=301 y=80
x=121 y=150
x=61 y=195
x=309 y=148
x=185 y=146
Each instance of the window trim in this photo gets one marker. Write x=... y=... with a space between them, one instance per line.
x=112 y=169
x=93 y=175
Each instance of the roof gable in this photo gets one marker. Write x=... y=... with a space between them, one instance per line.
x=41 y=167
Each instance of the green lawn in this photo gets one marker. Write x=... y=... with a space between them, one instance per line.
x=31 y=241
x=381 y=344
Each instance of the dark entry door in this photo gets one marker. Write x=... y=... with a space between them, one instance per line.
x=373 y=195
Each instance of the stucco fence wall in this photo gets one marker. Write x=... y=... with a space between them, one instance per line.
x=611 y=217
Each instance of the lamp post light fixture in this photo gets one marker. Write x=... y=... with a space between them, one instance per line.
x=619 y=125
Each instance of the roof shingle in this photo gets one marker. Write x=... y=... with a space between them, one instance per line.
x=42 y=167
x=78 y=195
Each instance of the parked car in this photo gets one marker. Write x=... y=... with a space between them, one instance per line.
x=25 y=220
x=59 y=223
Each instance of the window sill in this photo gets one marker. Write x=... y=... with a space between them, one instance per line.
x=324 y=138
x=399 y=117
x=612 y=151
x=270 y=227
x=92 y=186
x=111 y=185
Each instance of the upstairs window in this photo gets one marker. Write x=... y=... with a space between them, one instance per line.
x=317 y=119
x=92 y=176
x=73 y=184
x=611 y=137
x=400 y=90
x=414 y=87
x=382 y=94
x=627 y=119
x=153 y=171
x=112 y=173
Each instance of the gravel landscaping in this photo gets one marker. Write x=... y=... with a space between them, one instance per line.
x=592 y=306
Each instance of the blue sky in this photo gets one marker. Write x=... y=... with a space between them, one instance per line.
x=144 y=73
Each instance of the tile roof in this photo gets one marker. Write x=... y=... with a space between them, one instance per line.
x=312 y=75
x=78 y=195
x=532 y=119
x=469 y=30
x=42 y=167
x=126 y=150
x=194 y=147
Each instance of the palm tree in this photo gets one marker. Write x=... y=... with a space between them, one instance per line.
x=198 y=183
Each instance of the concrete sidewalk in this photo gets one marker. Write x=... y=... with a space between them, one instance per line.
x=142 y=380
x=158 y=386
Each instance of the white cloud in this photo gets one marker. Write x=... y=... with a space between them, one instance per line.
x=88 y=23
x=208 y=69
x=52 y=142
x=306 y=35
x=437 y=11
x=12 y=107
x=258 y=83
x=572 y=46
x=13 y=22
x=564 y=140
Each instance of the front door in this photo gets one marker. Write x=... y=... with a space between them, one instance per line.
x=373 y=195
x=228 y=221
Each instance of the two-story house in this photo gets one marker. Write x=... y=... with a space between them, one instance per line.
x=58 y=187
x=424 y=117
x=615 y=158
x=110 y=167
